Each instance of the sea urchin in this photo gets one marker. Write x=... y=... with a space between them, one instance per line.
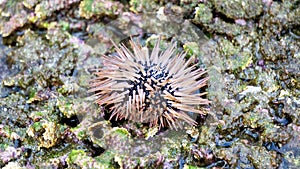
x=159 y=88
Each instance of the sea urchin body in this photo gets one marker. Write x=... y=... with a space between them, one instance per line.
x=159 y=88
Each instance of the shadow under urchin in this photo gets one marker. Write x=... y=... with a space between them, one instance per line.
x=158 y=87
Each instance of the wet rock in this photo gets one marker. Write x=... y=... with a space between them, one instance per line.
x=99 y=8
x=252 y=58
x=46 y=133
x=239 y=9
x=47 y=8
x=13 y=16
x=204 y=14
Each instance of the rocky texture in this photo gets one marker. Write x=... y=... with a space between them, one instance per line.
x=250 y=49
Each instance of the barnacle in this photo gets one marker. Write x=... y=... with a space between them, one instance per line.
x=158 y=87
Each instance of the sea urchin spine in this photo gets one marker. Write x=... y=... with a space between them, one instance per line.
x=159 y=88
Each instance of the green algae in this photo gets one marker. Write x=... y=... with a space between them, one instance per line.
x=68 y=106
x=191 y=167
x=45 y=132
x=81 y=159
x=239 y=9
x=43 y=64
x=99 y=8
x=192 y=49
x=45 y=8
x=253 y=66
x=74 y=154
x=142 y=5
x=256 y=85
x=204 y=14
